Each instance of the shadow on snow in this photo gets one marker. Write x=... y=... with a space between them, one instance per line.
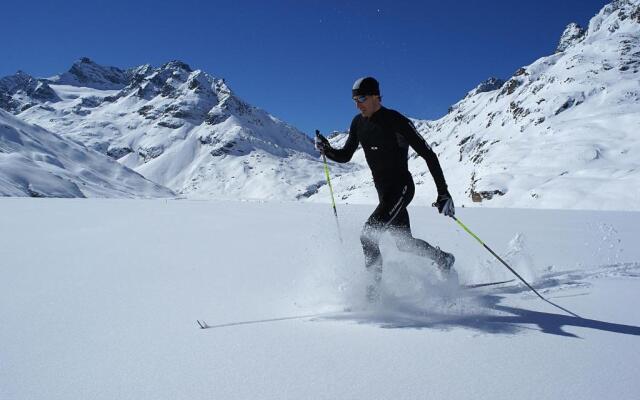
x=511 y=320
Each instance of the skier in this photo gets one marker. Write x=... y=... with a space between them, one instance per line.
x=385 y=136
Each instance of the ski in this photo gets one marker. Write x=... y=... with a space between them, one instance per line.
x=477 y=285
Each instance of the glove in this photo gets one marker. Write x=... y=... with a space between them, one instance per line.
x=321 y=143
x=444 y=202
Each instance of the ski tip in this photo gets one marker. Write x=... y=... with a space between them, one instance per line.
x=202 y=324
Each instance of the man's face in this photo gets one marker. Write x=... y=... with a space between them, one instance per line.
x=367 y=104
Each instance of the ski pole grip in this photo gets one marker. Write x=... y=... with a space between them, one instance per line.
x=318 y=137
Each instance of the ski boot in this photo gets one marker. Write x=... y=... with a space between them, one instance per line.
x=444 y=261
x=373 y=293
x=373 y=289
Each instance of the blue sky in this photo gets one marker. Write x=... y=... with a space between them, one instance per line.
x=298 y=59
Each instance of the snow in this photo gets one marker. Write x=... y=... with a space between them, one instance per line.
x=38 y=163
x=69 y=93
x=100 y=297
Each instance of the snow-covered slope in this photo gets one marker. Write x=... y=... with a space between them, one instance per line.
x=178 y=127
x=103 y=308
x=562 y=132
x=35 y=162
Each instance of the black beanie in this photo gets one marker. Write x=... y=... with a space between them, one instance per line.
x=365 y=87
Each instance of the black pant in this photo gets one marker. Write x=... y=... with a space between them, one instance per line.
x=391 y=215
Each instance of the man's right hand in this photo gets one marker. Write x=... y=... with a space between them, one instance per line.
x=321 y=143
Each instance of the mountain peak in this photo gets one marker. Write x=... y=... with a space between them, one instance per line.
x=177 y=64
x=85 y=60
x=85 y=72
x=572 y=34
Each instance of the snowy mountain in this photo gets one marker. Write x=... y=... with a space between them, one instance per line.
x=21 y=91
x=37 y=163
x=179 y=127
x=561 y=132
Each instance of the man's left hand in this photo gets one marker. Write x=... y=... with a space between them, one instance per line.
x=445 y=205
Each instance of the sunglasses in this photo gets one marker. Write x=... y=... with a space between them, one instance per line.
x=360 y=99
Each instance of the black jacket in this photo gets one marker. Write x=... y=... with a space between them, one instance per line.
x=385 y=138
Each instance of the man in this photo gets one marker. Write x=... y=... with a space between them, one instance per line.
x=385 y=136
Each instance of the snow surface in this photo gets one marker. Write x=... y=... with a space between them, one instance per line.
x=100 y=297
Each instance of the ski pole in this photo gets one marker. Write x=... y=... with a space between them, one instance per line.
x=333 y=201
x=507 y=265
x=326 y=172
